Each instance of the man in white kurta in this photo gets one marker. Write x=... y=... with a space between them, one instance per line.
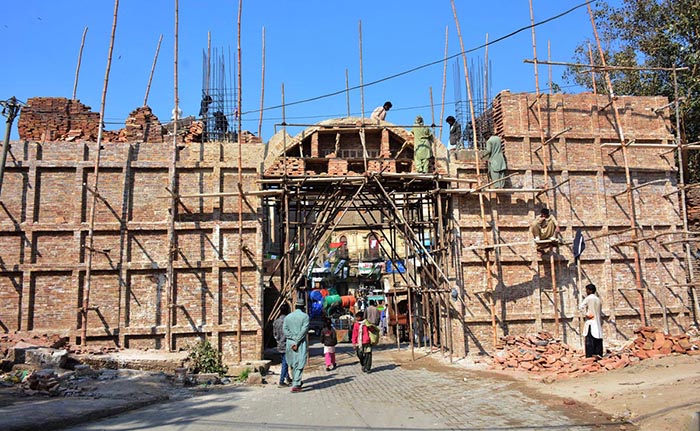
x=592 y=307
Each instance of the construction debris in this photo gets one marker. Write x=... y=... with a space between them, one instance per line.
x=542 y=353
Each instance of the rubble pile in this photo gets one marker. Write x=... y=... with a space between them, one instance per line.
x=651 y=342
x=142 y=126
x=57 y=119
x=542 y=353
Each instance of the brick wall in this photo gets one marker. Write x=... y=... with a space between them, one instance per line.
x=589 y=174
x=44 y=228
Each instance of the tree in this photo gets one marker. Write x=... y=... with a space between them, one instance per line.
x=650 y=33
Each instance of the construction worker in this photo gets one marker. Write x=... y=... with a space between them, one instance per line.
x=455 y=132
x=422 y=146
x=497 y=161
x=594 y=322
x=379 y=113
x=544 y=227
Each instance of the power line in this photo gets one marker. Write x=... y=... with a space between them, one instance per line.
x=423 y=66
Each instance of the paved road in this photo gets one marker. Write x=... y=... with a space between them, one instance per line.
x=390 y=398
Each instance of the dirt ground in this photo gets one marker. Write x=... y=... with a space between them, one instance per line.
x=659 y=394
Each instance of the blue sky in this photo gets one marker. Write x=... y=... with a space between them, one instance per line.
x=309 y=45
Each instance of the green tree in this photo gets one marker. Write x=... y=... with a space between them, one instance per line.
x=649 y=33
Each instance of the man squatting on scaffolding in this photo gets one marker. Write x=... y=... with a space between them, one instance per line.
x=379 y=113
x=544 y=227
x=497 y=161
x=593 y=328
x=422 y=146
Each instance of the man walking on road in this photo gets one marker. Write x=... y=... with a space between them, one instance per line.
x=278 y=332
x=296 y=327
x=372 y=313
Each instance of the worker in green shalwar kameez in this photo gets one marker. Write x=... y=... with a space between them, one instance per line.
x=296 y=326
x=422 y=146
x=497 y=162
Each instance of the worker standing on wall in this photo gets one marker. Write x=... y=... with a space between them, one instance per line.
x=422 y=146
x=497 y=161
x=455 y=133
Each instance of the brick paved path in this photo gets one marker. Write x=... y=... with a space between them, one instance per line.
x=389 y=398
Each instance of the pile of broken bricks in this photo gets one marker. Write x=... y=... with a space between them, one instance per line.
x=542 y=353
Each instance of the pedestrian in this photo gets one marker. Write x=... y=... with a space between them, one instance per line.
x=361 y=340
x=422 y=146
x=329 y=340
x=379 y=113
x=278 y=332
x=593 y=328
x=455 y=132
x=296 y=327
x=544 y=227
x=497 y=161
x=382 y=317
x=372 y=313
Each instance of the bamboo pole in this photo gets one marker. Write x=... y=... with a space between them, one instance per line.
x=605 y=67
x=489 y=281
x=545 y=159
x=240 y=187
x=95 y=190
x=410 y=321
x=262 y=86
x=432 y=112
x=172 y=180
x=444 y=85
x=80 y=59
x=630 y=197
x=362 y=85
x=347 y=91
x=590 y=56
x=549 y=58
x=555 y=294
x=682 y=187
x=486 y=74
x=153 y=69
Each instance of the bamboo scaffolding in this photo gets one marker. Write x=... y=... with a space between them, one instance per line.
x=484 y=228
x=444 y=82
x=262 y=85
x=239 y=105
x=95 y=189
x=604 y=67
x=153 y=69
x=77 y=67
x=630 y=197
x=546 y=157
x=551 y=139
x=639 y=186
x=172 y=181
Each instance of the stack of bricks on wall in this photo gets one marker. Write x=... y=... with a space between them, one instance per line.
x=44 y=224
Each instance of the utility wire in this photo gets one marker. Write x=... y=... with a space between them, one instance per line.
x=423 y=66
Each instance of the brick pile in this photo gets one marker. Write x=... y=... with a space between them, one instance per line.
x=142 y=126
x=651 y=342
x=57 y=119
x=542 y=353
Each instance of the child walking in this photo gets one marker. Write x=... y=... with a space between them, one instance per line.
x=329 y=340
